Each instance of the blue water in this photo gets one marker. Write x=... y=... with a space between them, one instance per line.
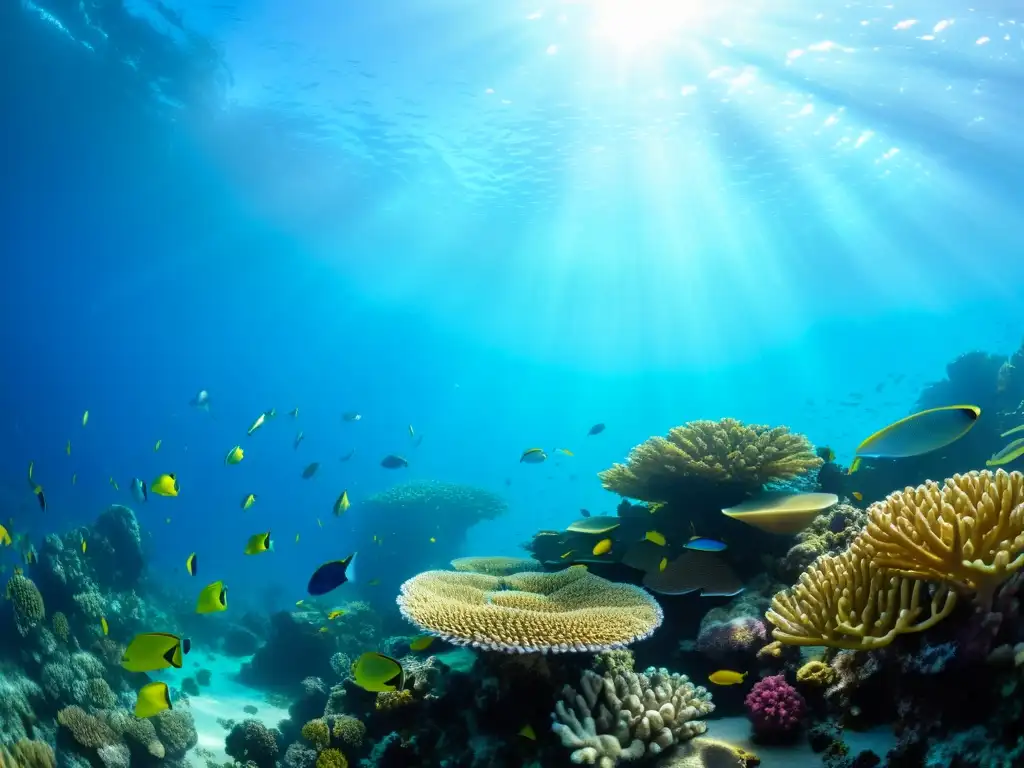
x=500 y=223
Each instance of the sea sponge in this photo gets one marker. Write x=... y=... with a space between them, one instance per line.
x=725 y=451
x=331 y=758
x=29 y=609
x=317 y=733
x=846 y=601
x=817 y=674
x=570 y=610
x=626 y=716
x=774 y=706
x=967 y=532
x=60 y=627
x=349 y=730
x=86 y=729
x=496 y=565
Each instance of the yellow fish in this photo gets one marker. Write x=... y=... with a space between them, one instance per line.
x=158 y=444
x=1013 y=431
x=726 y=677
x=564 y=451
x=165 y=485
x=1011 y=452
x=920 y=433
x=258 y=543
x=191 y=564
x=113 y=482
x=421 y=643
x=854 y=466
x=342 y=504
x=104 y=626
x=235 y=455
x=68 y=449
x=527 y=732
x=83 y=546
x=248 y=501
x=5 y=537
x=603 y=547
x=655 y=538
x=299 y=602
x=154 y=698
x=433 y=540
x=663 y=564
x=567 y=554
x=858 y=496
x=335 y=614
x=376 y=672
x=296 y=538
x=31 y=467
x=153 y=651
x=85 y=418
x=213 y=598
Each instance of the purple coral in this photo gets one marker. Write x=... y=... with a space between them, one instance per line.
x=743 y=635
x=774 y=707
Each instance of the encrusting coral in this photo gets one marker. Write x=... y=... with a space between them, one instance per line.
x=725 y=451
x=627 y=715
x=565 y=611
x=845 y=601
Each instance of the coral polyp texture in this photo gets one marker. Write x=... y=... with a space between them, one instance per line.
x=725 y=451
x=570 y=610
x=846 y=601
x=626 y=716
x=967 y=531
x=496 y=565
x=774 y=707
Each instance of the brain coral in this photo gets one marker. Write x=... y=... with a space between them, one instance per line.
x=725 y=451
x=571 y=610
x=28 y=603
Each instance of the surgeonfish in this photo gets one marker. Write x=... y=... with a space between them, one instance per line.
x=603 y=547
x=298 y=439
x=342 y=504
x=113 y=483
x=412 y=432
x=655 y=538
x=351 y=416
x=190 y=564
x=311 y=470
x=201 y=401
x=158 y=444
x=704 y=544
x=920 y=433
x=392 y=461
x=421 y=643
x=256 y=424
x=1011 y=452
x=533 y=456
x=329 y=576
x=165 y=485
x=104 y=626
x=258 y=544
x=153 y=651
x=248 y=501
x=85 y=418
x=527 y=732
x=153 y=699
x=235 y=455
x=213 y=598
x=597 y=429
x=139 y=491
x=1013 y=431
x=726 y=677
x=378 y=673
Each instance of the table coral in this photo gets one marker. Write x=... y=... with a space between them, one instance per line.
x=774 y=707
x=626 y=716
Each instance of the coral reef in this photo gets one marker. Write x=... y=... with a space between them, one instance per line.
x=571 y=610
x=723 y=452
x=27 y=601
x=252 y=742
x=774 y=707
x=627 y=715
x=828 y=534
x=293 y=651
x=496 y=566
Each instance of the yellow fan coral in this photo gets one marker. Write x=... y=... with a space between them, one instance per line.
x=847 y=601
x=570 y=610
x=967 y=531
x=725 y=451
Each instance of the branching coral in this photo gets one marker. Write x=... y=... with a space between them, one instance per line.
x=176 y=730
x=60 y=627
x=349 y=730
x=845 y=601
x=626 y=716
x=725 y=451
x=88 y=730
x=137 y=732
x=28 y=603
x=571 y=610
x=967 y=532
x=331 y=758
x=317 y=733
x=251 y=741
x=28 y=753
x=389 y=700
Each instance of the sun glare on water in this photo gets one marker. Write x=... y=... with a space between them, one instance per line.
x=634 y=25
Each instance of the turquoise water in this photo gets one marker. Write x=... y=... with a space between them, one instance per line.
x=499 y=224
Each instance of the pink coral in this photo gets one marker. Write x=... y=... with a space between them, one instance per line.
x=743 y=635
x=774 y=707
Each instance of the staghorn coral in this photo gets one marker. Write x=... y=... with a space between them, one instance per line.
x=967 y=532
x=27 y=601
x=30 y=753
x=60 y=627
x=626 y=716
x=317 y=733
x=88 y=730
x=845 y=601
x=349 y=730
x=725 y=451
x=570 y=610
x=331 y=758
x=496 y=566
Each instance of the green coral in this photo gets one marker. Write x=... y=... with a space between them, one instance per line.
x=136 y=731
x=331 y=758
x=61 y=628
x=88 y=730
x=349 y=730
x=29 y=609
x=99 y=693
x=177 y=732
x=317 y=733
